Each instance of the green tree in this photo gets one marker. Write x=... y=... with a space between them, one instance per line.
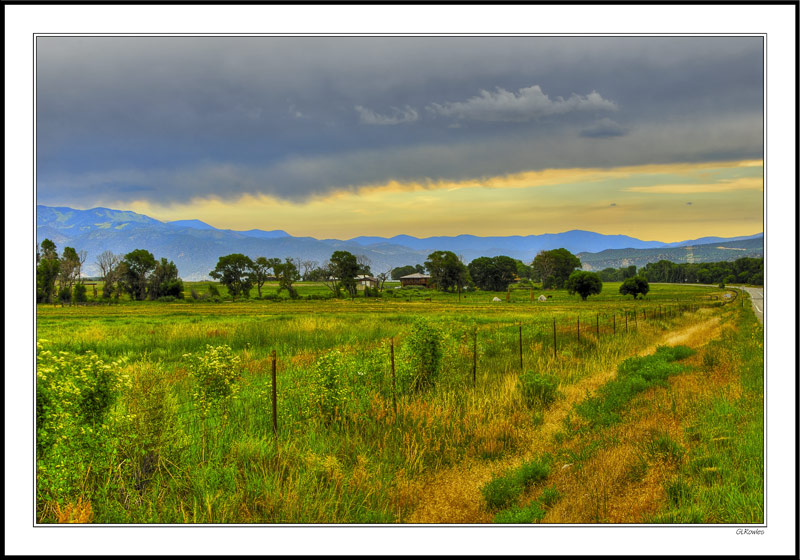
x=108 y=263
x=584 y=283
x=47 y=271
x=554 y=267
x=446 y=270
x=234 y=271
x=70 y=268
x=261 y=268
x=287 y=274
x=164 y=281
x=344 y=267
x=636 y=285
x=493 y=273
x=138 y=264
x=401 y=271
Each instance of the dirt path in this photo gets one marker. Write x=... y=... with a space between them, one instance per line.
x=454 y=495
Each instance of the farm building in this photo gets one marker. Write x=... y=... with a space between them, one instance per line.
x=415 y=279
x=366 y=281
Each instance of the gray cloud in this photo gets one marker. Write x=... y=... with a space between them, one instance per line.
x=404 y=115
x=527 y=104
x=193 y=117
x=604 y=128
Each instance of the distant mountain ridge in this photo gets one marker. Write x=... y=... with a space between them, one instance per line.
x=195 y=246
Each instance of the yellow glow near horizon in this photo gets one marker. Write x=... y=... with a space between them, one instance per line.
x=669 y=202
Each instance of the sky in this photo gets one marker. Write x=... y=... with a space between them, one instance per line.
x=659 y=138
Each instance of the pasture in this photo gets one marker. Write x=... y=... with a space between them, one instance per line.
x=403 y=408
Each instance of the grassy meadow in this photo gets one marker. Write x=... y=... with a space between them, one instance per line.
x=412 y=407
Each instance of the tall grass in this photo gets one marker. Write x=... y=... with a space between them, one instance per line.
x=174 y=464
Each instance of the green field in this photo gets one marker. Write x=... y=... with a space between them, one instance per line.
x=154 y=412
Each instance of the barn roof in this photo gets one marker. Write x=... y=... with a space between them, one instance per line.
x=415 y=275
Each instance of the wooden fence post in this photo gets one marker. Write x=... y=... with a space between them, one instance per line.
x=394 y=383
x=274 y=392
x=614 y=315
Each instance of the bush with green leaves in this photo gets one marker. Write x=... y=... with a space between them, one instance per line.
x=537 y=390
x=216 y=373
x=421 y=356
x=79 y=293
x=328 y=392
x=75 y=430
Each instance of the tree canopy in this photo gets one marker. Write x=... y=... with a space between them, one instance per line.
x=446 y=270
x=493 y=273
x=136 y=266
x=554 y=267
x=234 y=272
x=635 y=286
x=344 y=266
x=584 y=283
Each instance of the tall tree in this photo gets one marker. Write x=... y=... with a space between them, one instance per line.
x=70 y=268
x=138 y=264
x=554 y=267
x=493 y=273
x=446 y=270
x=234 y=272
x=108 y=263
x=164 y=281
x=47 y=271
x=261 y=269
x=345 y=267
x=287 y=274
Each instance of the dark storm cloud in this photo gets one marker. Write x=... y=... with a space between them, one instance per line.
x=604 y=128
x=187 y=117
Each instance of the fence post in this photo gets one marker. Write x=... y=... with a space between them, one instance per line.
x=394 y=383
x=474 y=356
x=614 y=315
x=645 y=314
x=555 y=342
x=520 y=349
x=598 y=326
x=274 y=393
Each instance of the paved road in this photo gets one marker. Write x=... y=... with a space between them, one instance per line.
x=757 y=297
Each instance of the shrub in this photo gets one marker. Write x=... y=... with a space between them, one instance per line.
x=74 y=397
x=212 y=290
x=216 y=372
x=537 y=390
x=64 y=295
x=421 y=356
x=79 y=293
x=328 y=393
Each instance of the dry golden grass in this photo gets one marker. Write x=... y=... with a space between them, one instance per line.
x=602 y=491
x=79 y=512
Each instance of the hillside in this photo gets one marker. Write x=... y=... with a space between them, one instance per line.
x=195 y=246
x=707 y=252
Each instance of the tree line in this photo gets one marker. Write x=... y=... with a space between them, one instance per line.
x=138 y=273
